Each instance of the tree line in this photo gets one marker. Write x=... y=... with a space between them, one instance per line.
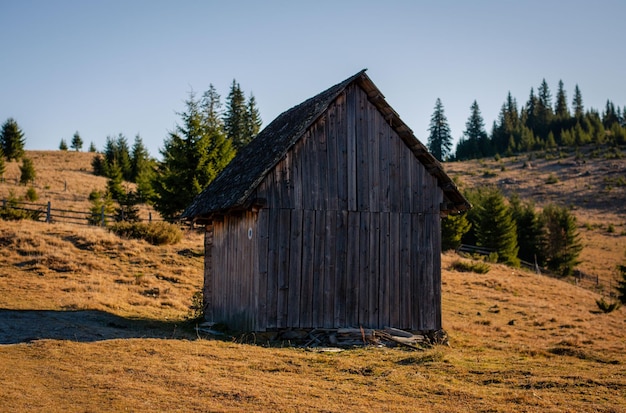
x=539 y=124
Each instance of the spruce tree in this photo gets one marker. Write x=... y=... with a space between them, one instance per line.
x=12 y=140
x=439 y=138
x=453 y=228
x=192 y=156
x=142 y=170
x=253 y=118
x=577 y=103
x=235 y=117
x=92 y=147
x=63 y=145
x=27 y=170
x=530 y=232
x=561 y=110
x=562 y=244
x=475 y=142
x=77 y=142
x=495 y=228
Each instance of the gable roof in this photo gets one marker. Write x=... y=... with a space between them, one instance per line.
x=233 y=186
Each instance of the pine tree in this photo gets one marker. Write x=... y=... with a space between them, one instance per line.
x=561 y=110
x=253 y=118
x=577 y=103
x=439 y=138
x=530 y=233
x=495 y=228
x=143 y=170
x=562 y=241
x=235 y=117
x=77 y=142
x=101 y=204
x=475 y=142
x=114 y=183
x=544 y=111
x=453 y=228
x=116 y=151
x=27 y=170
x=92 y=147
x=12 y=140
x=63 y=145
x=192 y=156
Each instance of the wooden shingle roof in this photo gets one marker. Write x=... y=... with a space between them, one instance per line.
x=233 y=186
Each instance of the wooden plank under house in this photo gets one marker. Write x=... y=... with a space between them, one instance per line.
x=329 y=218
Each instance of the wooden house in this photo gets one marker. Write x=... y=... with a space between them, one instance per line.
x=329 y=218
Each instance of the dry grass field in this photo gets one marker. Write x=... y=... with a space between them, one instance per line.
x=93 y=322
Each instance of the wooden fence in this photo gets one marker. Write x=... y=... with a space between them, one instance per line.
x=45 y=213
x=584 y=279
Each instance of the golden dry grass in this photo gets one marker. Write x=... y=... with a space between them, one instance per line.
x=520 y=342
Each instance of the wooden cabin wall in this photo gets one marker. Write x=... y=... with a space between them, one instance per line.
x=231 y=271
x=350 y=234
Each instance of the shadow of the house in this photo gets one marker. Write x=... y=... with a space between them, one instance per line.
x=23 y=326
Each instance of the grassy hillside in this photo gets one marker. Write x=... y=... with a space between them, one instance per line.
x=590 y=181
x=101 y=327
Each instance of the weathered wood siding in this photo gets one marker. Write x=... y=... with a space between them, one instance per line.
x=349 y=235
x=231 y=281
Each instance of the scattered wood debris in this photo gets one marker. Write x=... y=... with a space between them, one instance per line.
x=321 y=339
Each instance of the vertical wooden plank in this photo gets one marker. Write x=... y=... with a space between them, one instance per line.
x=340 y=268
x=405 y=271
x=383 y=155
x=406 y=183
x=373 y=134
x=351 y=113
x=362 y=152
x=364 y=269
x=394 y=269
x=322 y=163
x=395 y=194
x=352 y=269
x=295 y=183
x=319 y=233
x=342 y=154
x=308 y=268
x=262 y=240
x=419 y=268
x=373 y=277
x=383 y=300
x=313 y=175
x=207 y=290
x=330 y=263
x=295 y=267
x=272 y=268
x=331 y=157
x=282 y=304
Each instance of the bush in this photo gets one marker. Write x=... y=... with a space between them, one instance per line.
x=607 y=307
x=156 y=233
x=31 y=194
x=477 y=267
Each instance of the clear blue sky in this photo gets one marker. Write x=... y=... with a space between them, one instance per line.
x=109 y=67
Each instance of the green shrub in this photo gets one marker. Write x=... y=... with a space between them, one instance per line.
x=552 y=179
x=465 y=266
x=156 y=233
x=31 y=194
x=607 y=307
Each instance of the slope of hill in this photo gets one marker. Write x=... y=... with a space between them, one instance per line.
x=93 y=322
x=592 y=182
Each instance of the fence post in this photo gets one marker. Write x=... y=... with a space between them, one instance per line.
x=48 y=216
x=102 y=216
x=4 y=203
x=149 y=216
